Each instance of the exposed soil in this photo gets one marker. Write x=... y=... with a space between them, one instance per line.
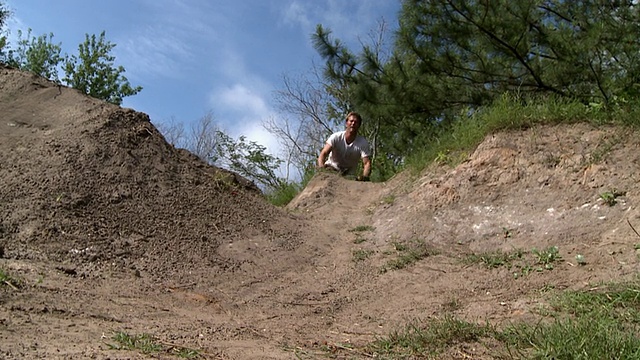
x=110 y=229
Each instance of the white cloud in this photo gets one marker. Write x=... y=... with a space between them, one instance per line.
x=240 y=98
x=255 y=132
x=231 y=65
x=349 y=20
x=296 y=14
x=244 y=96
x=155 y=53
x=15 y=24
x=172 y=39
x=245 y=112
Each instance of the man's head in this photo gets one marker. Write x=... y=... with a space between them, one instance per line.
x=354 y=120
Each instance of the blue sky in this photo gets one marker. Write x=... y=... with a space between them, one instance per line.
x=193 y=57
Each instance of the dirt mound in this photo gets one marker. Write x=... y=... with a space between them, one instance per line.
x=110 y=230
x=89 y=183
x=541 y=186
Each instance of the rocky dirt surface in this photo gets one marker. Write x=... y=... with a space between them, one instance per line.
x=108 y=229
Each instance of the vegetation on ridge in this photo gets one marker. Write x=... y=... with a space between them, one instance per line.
x=451 y=73
x=457 y=71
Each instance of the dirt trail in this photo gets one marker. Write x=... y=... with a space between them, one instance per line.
x=111 y=230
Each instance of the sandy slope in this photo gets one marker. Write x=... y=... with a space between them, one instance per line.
x=110 y=229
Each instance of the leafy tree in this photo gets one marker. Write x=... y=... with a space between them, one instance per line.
x=480 y=49
x=248 y=159
x=93 y=72
x=455 y=56
x=363 y=82
x=37 y=55
x=4 y=16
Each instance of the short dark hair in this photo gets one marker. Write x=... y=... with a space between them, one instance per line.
x=357 y=116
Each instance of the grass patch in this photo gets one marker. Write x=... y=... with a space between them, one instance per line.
x=602 y=323
x=284 y=194
x=424 y=339
x=611 y=197
x=186 y=353
x=621 y=301
x=144 y=343
x=452 y=144
x=451 y=305
x=547 y=256
x=359 y=239
x=287 y=190
x=7 y=280
x=388 y=200
x=524 y=262
x=599 y=323
x=361 y=255
x=408 y=254
x=494 y=259
x=147 y=344
x=361 y=228
x=603 y=150
x=581 y=338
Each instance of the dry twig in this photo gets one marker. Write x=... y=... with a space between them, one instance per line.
x=10 y=285
x=632 y=228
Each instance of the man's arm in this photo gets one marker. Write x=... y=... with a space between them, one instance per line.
x=366 y=171
x=323 y=155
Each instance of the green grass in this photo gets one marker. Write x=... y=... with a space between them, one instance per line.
x=287 y=191
x=617 y=300
x=513 y=112
x=408 y=254
x=602 y=323
x=602 y=150
x=361 y=228
x=388 y=200
x=611 y=197
x=359 y=239
x=494 y=259
x=358 y=230
x=423 y=339
x=185 y=353
x=452 y=305
x=547 y=256
x=525 y=262
x=7 y=280
x=144 y=343
x=147 y=344
x=283 y=195
x=361 y=255
x=599 y=323
x=582 y=338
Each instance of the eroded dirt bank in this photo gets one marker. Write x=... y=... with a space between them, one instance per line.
x=109 y=229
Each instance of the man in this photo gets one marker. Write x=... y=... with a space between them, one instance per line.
x=343 y=150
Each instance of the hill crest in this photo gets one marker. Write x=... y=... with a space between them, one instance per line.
x=110 y=229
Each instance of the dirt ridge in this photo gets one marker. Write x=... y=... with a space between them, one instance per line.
x=110 y=229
